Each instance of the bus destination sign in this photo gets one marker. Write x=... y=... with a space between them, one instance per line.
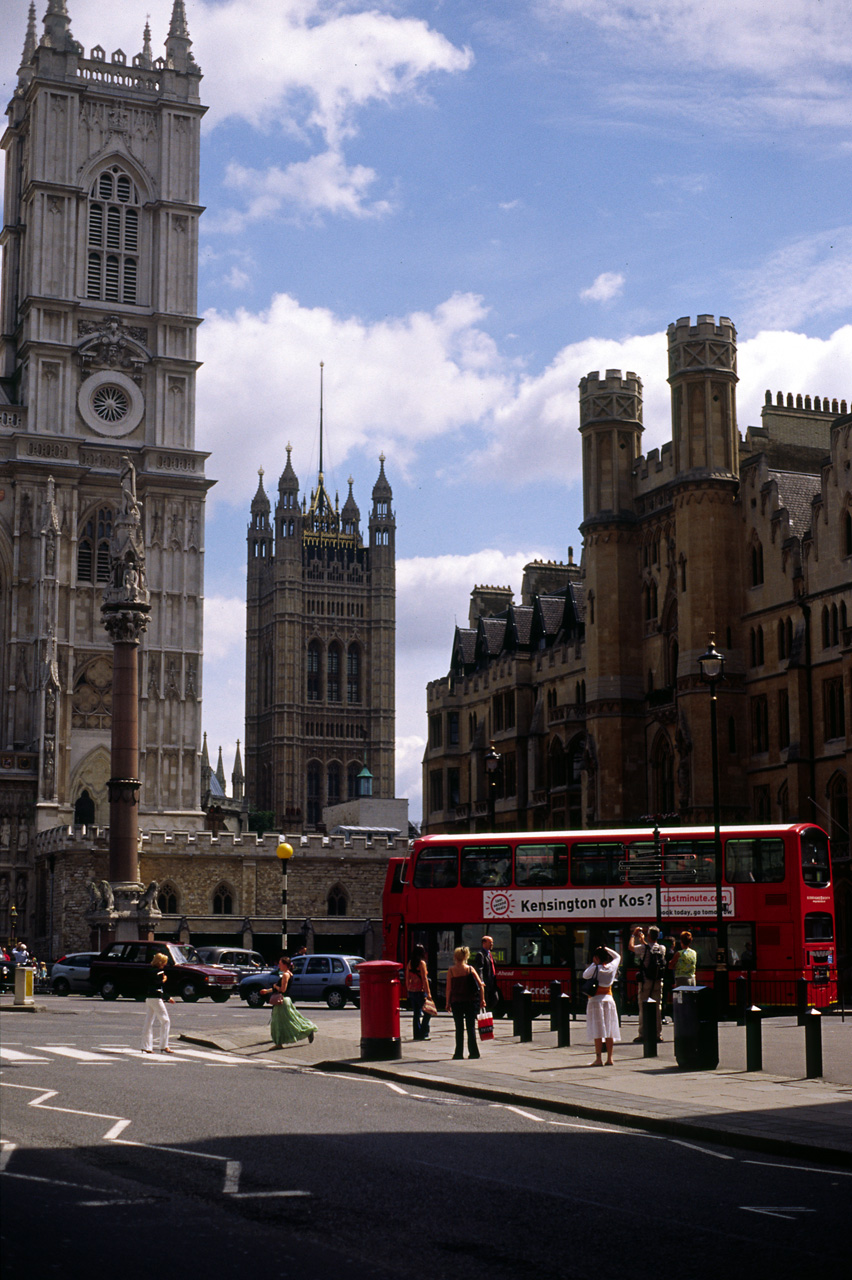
x=605 y=904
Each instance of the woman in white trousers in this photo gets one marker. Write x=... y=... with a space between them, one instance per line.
x=156 y=1010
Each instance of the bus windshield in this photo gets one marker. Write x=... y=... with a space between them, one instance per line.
x=816 y=863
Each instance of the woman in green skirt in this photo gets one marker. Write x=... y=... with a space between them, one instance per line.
x=287 y=1025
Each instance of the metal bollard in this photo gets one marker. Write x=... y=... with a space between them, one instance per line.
x=555 y=997
x=754 y=1038
x=649 y=1029
x=563 y=1028
x=742 y=999
x=801 y=1000
x=813 y=1045
x=517 y=1008
x=526 y=1025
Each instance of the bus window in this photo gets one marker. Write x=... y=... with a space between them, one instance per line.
x=501 y=935
x=541 y=864
x=741 y=953
x=819 y=927
x=754 y=861
x=437 y=868
x=816 y=865
x=690 y=862
x=597 y=863
x=486 y=866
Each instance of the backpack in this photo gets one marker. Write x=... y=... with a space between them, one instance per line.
x=653 y=963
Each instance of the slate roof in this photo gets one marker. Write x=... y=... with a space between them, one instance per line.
x=796 y=492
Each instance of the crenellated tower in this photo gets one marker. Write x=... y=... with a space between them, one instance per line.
x=321 y=620
x=98 y=361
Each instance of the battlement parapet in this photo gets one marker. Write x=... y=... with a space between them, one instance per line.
x=195 y=843
x=612 y=398
x=654 y=469
x=820 y=405
x=702 y=347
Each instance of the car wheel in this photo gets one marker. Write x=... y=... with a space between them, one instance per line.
x=219 y=997
x=255 y=1000
x=335 y=998
x=190 y=991
x=109 y=990
x=61 y=987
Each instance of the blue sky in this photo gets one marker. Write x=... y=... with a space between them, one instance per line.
x=462 y=208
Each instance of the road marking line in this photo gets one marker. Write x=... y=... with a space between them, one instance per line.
x=177 y=1151
x=800 y=1168
x=266 y=1195
x=772 y=1211
x=6 y=1153
x=396 y=1088
x=79 y=1055
x=704 y=1151
x=53 y=1182
x=109 y=1204
x=228 y=1058
x=596 y=1128
x=118 y=1128
x=15 y=1055
x=233 y=1169
x=518 y=1112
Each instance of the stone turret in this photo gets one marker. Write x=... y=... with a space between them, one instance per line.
x=703 y=379
x=611 y=427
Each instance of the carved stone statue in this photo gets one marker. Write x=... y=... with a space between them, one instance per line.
x=101 y=897
x=149 y=898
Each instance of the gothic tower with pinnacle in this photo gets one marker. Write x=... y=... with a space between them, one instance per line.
x=98 y=306
x=320 y=644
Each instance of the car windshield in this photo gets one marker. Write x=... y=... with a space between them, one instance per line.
x=186 y=954
x=353 y=960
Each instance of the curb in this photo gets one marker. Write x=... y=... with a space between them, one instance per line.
x=665 y=1125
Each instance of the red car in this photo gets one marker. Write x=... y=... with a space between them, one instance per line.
x=123 y=968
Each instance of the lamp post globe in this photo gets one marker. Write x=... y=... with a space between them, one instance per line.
x=284 y=853
x=493 y=761
x=712 y=667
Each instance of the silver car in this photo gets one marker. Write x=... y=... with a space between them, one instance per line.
x=331 y=978
x=71 y=973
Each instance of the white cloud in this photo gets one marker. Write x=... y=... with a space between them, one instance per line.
x=605 y=287
x=790 y=60
x=224 y=627
x=323 y=183
x=808 y=277
x=237 y=278
x=395 y=384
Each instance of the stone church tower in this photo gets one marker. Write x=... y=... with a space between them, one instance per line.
x=319 y=650
x=100 y=249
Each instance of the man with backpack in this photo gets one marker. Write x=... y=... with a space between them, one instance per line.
x=651 y=960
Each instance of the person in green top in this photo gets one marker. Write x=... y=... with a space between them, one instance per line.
x=684 y=961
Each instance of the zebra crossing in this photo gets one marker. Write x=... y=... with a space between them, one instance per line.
x=111 y=1054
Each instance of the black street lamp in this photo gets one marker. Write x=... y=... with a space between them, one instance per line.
x=493 y=760
x=712 y=665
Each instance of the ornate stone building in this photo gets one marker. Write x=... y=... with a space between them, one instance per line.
x=320 y=650
x=590 y=687
x=100 y=249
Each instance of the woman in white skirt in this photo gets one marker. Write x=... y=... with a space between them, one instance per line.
x=601 y=1013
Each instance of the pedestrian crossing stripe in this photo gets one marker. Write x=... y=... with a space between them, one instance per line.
x=115 y=1053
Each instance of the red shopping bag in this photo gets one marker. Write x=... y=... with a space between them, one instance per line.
x=485 y=1023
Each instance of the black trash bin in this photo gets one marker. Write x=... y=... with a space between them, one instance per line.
x=696 y=1029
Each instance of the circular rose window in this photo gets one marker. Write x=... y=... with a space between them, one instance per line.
x=110 y=403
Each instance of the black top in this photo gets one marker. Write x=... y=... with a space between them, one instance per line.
x=156 y=984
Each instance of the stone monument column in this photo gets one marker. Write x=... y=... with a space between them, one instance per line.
x=125 y=608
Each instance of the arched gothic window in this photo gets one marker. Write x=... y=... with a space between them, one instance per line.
x=84 y=810
x=223 y=900
x=353 y=675
x=352 y=771
x=93 y=547
x=314 y=671
x=113 y=238
x=663 y=775
x=167 y=899
x=555 y=765
x=333 y=673
x=314 y=781
x=338 y=902
x=334 y=782
x=756 y=563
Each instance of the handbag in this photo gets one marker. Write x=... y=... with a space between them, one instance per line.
x=590 y=985
x=276 y=998
x=429 y=1008
x=485 y=1026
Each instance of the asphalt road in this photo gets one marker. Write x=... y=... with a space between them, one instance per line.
x=207 y=1164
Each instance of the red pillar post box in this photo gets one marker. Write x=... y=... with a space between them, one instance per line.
x=380 y=1039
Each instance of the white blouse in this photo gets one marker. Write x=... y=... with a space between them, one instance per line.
x=606 y=972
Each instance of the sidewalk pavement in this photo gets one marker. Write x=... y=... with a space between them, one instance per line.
x=785 y=1114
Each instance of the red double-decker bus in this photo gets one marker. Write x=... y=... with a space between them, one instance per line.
x=548 y=898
